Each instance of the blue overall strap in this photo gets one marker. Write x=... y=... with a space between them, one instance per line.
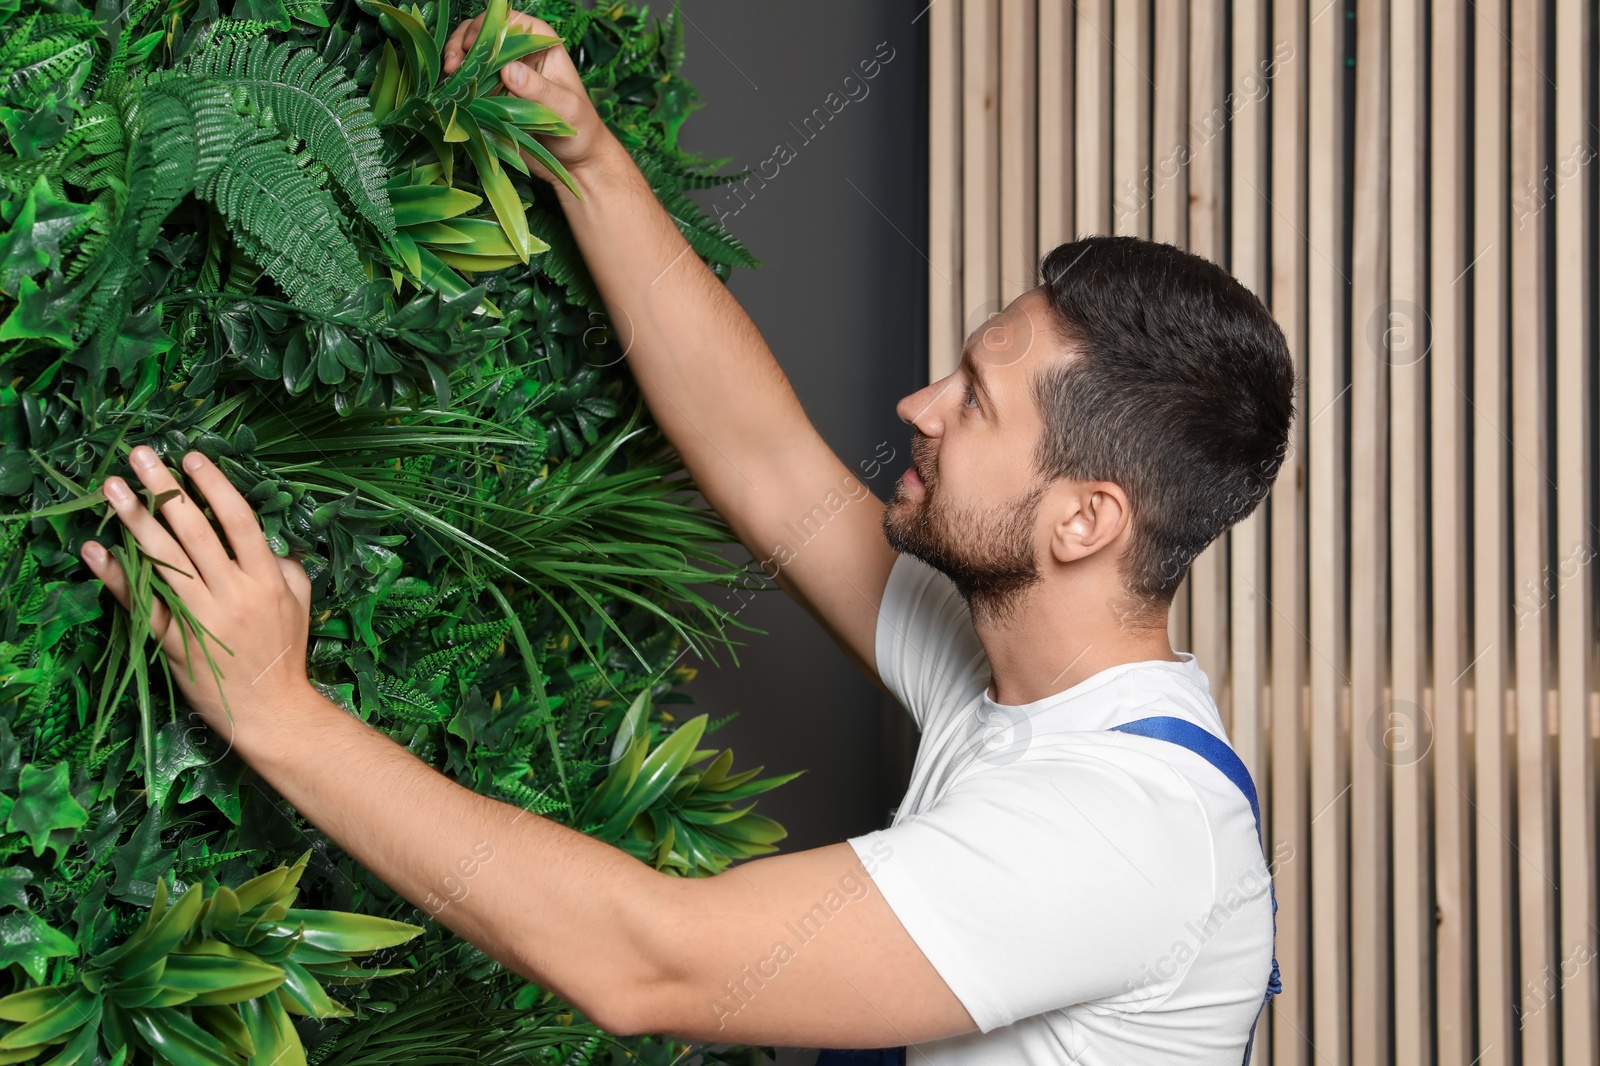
x=881 y=1056
x=1216 y=752
x=1212 y=750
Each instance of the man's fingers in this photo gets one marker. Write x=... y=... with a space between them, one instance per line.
x=522 y=80
x=109 y=571
x=195 y=537
x=153 y=539
x=455 y=47
x=299 y=582
x=234 y=514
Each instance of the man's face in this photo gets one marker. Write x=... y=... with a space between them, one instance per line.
x=970 y=505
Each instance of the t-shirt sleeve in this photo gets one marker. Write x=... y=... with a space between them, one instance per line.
x=928 y=654
x=1049 y=882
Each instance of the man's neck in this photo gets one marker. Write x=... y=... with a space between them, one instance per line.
x=1050 y=642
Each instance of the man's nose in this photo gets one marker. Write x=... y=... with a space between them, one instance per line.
x=922 y=408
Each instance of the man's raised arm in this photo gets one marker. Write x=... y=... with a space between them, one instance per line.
x=709 y=379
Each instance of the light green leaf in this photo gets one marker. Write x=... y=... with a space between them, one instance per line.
x=43 y=805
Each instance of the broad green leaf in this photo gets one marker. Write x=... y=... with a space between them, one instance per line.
x=30 y=942
x=81 y=1049
x=215 y=981
x=270 y=885
x=519 y=43
x=43 y=805
x=481 y=56
x=272 y=1032
x=476 y=263
x=66 y=605
x=179 y=1040
x=414 y=204
x=152 y=943
x=384 y=96
x=225 y=1024
x=302 y=994
x=349 y=934
x=754 y=829
x=176 y=751
x=532 y=146
x=79 y=1008
x=655 y=775
x=530 y=115
x=13 y=883
x=442 y=233
x=32 y=244
x=497 y=187
x=704 y=817
x=415 y=40
x=217 y=781
x=616 y=785
x=32 y=1004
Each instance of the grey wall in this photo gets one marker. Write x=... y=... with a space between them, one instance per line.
x=840 y=228
x=840 y=300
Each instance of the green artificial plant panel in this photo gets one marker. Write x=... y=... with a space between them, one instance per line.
x=274 y=231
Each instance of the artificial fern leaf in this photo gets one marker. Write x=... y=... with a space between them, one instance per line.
x=709 y=239
x=562 y=262
x=28 y=84
x=317 y=103
x=405 y=701
x=163 y=130
x=283 y=221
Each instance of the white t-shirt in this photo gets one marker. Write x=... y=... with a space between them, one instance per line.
x=1091 y=897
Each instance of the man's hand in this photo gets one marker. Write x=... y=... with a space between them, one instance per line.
x=255 y=605
x=547 y=77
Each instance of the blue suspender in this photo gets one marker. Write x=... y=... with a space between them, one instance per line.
x=1212 y=750
x=1217 y=752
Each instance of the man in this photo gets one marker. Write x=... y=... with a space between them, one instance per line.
x=1071 y=893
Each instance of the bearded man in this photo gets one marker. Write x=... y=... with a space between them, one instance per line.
x=1075 y=874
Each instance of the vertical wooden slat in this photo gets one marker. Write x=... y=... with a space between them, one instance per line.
x=1248 y=261
x=1162 y=195
x=1208 y=595
x=1497 y=988
x=1019 y=93
x=1423 y=616
x=1575 y=360
x=1447 y=367
x=1167 y=189
x=980 y=162
x=1530 y=480
x=945 y=310
x=1130 y=135
x=1367 y=403
x=1056 y=125
x=1405 y=331
x=1092 y=165
x=1289 y=814
x=1326 y=346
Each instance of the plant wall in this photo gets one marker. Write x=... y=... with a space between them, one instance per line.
x=273 y=231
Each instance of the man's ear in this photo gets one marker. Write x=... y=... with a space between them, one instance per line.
x=1090 y=516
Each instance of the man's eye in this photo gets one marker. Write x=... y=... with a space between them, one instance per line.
x=972 y=397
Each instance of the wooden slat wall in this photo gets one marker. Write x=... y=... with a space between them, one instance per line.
x=1403 y=638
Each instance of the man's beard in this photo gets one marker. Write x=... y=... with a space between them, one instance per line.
x=987 y=552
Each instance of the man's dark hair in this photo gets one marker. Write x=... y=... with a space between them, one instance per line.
x=1178 y=386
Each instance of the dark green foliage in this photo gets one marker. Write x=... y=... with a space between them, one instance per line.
x=236 y=226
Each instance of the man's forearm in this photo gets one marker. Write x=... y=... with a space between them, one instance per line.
x=709 y=378
x=566 y=911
